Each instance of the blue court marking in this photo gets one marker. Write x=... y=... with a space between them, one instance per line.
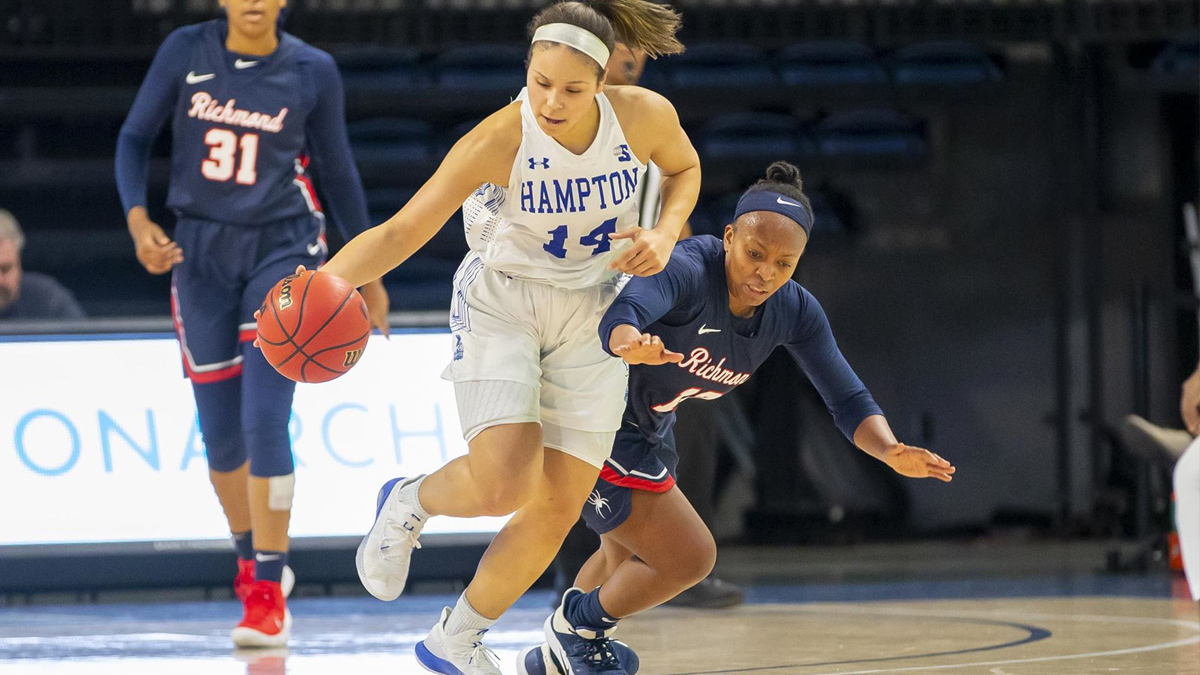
x=1032 y=634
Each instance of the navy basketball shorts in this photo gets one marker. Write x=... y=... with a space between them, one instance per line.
x=226 y=273
x=637 y=462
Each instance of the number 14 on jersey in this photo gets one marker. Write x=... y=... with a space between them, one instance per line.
x=597 y=239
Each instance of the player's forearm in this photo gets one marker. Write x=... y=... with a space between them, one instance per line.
x=377 y=251
x=874 y=436
x=132 y=166
x=679 y=194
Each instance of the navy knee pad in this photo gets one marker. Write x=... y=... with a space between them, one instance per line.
x=219 y=410
x=266 y=410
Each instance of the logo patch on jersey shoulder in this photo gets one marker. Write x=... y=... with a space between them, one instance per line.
x=544 y=163
x=704 y=329
x=193 y=78
x=621 y=152
x=242 y=65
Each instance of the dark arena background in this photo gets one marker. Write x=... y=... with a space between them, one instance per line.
x=1006 y=245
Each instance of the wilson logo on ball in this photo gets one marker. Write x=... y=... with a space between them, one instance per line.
x=352 y=357
x=285 y=292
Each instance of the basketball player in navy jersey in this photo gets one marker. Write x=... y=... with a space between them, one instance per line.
x=695 y=331
x=248 y=106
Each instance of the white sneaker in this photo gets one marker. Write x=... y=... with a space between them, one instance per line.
x=384 y=554
x=461 y=654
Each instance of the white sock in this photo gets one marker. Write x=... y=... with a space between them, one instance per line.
x=411 y=492
x=1187 y=514
x=464 y=618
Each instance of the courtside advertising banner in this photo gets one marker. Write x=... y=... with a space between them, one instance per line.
x=99 y=440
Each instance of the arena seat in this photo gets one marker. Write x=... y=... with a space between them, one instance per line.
x=482 y=67
x=720 y=65
x=870 y=132
x=373 y=68
x=751 y=136
x=943 y=62
x=391 y=140
x=1178 y=59
x=829 y=63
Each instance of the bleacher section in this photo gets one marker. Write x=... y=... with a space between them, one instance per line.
x=833 y=88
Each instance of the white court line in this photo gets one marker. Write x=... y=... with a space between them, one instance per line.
x=1028 y=616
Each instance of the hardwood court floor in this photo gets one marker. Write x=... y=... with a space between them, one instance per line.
x=1029 y=626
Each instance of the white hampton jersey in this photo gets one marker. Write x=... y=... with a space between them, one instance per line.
x=553 y=220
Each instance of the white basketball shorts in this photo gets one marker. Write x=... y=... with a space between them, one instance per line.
x=521 y=331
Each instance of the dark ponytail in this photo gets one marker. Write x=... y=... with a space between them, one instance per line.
x=784 y=178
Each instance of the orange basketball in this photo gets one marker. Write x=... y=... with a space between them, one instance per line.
x=313 y=326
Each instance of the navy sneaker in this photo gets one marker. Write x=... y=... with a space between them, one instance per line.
x=539 y=660
x=579 y=651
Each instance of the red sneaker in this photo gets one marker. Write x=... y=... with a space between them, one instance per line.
x=245 y=578
x=267 y=622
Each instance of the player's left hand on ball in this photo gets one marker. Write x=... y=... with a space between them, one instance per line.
x=376 y=297
x=649 y=253
x=914 y=462
x=647 y=350
x=257 y=312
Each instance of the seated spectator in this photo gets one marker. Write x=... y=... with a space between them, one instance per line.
x=28 y=295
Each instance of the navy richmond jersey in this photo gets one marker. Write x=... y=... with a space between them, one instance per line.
x=687 y=305
x=242 y=130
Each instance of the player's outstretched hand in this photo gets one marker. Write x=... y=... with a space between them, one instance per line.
x=641 y=348
x=914 y=462
x=649 y=253
x=155 y=250
x=376 y=297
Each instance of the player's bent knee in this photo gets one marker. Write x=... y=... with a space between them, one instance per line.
x=692 y=562
x=270 y=452
x=700 y=564
x=225 y=455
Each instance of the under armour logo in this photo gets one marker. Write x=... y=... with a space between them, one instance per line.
x=599 y=502
x=545 y=163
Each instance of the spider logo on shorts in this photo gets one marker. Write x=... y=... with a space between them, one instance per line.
x=599 y=502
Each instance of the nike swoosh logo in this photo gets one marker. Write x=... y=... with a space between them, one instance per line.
x=193 y=78
x=705 y=329
x=242 y=65
x=265 y=558
x=314 y=249
x=781 y=200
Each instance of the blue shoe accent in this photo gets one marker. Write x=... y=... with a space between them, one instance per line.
x=432 y=663
x=383 y=493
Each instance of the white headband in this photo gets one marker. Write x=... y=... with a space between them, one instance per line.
x=576 y=37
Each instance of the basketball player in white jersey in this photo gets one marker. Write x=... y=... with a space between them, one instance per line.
x=547 y=186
